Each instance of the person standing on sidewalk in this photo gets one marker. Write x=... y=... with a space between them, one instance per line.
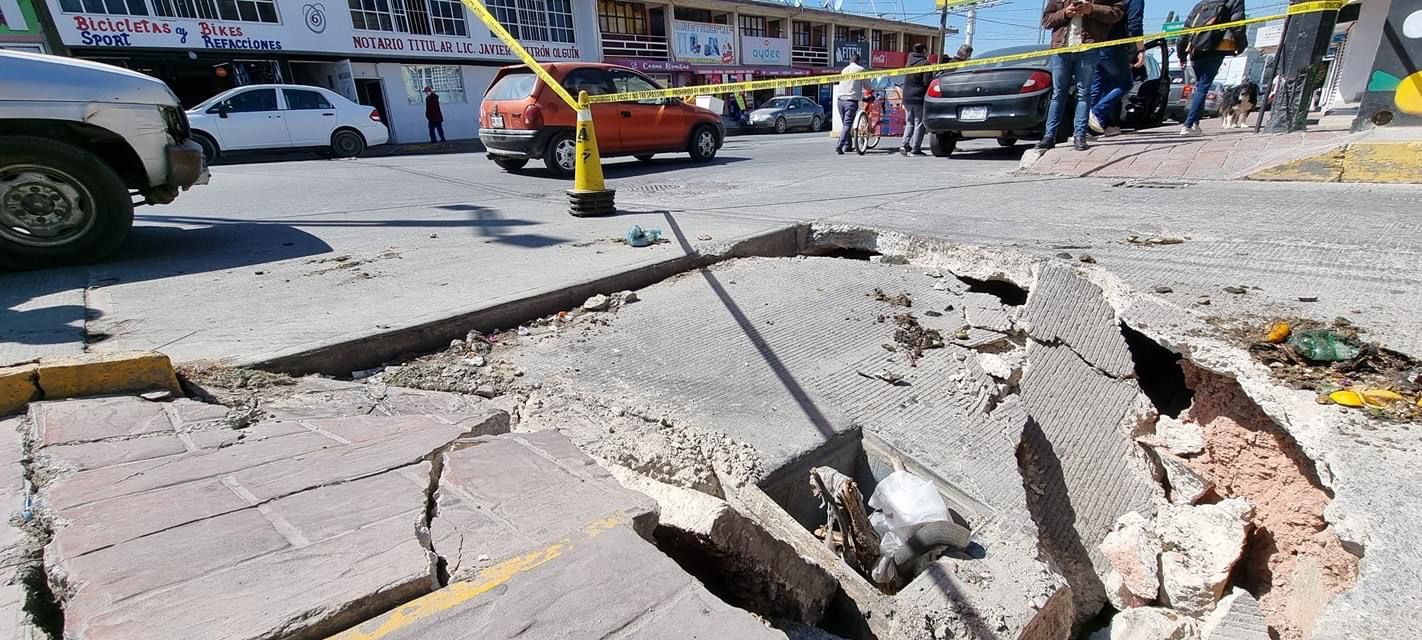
x=1075 y=22
x=1207 y=50
x=915 y=87
x=1113 y=77
x=433 y=114
x=849 y=93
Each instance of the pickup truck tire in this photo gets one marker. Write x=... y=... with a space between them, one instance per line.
x=59 y=204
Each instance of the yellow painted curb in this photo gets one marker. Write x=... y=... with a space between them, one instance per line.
x=1380 y=162
x=106 y=373
x=17 y=387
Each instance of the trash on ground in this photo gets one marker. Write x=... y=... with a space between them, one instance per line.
x=1087 y=258
x=886 y=376
x=913 y=526
x=1278 y=332
x=638 y=237
x=902 y=299
x=1347 y=398
x=914 y=338
x=1323 y=345
x=1163 y=289
x=856 y=539
x=1239 y=291
x=1154 y=240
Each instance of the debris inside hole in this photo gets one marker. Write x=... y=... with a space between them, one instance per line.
x=1009 y=293
x=1158 y=372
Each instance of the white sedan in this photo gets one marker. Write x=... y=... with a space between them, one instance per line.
x=285 y=116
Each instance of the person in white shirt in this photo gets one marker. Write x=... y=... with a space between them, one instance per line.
x=850 y=92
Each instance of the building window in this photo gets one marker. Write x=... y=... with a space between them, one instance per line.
x=800 y=34
x=622 y=17
x=848 y=35
x=420 y=17
x=447 y=81
x=112 y=7
x=379 y=15
x=886 y=40
x=753 y=26
x=701 y=15
x=817 y=36
x=232 y=10
x=538 y=20
x=775 y=29
x=447 y=18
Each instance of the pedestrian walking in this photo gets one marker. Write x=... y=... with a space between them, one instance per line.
x=433 y=114
x=1207 y=50
x=1075 y=22
x=847 y=104
x=1113 y=77
x=915 y=87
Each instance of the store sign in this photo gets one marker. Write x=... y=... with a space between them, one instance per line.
x=765 y=51
x=889 y=59
x=309 y=27
x=703 y=43
x=652 y=66
x=1269 y=35
x=844 y=51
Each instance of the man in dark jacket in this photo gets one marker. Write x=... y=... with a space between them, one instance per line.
x=1113 y=78
x=1207 y=50
x=433 y=114
x=1075 y=22
x=915 y=86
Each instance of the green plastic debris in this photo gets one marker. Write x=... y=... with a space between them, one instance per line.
x=1322 y=345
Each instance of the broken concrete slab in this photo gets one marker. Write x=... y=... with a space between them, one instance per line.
x=1152 y=623
x=986 y=311
x=1186 y=485
x=1177 y=437
x=600 y=580
x=1065 y=308
x=1200 y=545
x=1236 y=617
x=1133 y=550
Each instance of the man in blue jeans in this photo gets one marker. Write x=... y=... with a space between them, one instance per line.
x=1113 y=78
x=1207 y=51
x=850 y=92
x=1075 y=22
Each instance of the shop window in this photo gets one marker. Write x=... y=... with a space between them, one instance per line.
x=301 y=100
x=230 y=10
x=537 y=20
x=753 y=26
x=817 y=36
x=848 y=35
x=886 y=40
x=622 y=17
x=800 y=34
x=701 y=15
x=447 y=81
x=775 y=28
x=112 y=7
x=379 y=15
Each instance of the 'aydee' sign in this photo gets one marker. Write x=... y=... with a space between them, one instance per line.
x=760 y=50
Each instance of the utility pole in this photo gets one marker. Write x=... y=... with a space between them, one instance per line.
x=1306 y=39
x=972 y=25
x=943 y=32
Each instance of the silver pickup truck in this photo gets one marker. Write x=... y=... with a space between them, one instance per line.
x=80 y=142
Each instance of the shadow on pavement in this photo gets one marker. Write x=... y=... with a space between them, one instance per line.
x=613 y=168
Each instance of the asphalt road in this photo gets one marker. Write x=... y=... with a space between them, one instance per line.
x=276 y=257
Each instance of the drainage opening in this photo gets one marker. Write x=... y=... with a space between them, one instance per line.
x=1158 y=373
x=1009 y=293
x=846 y=253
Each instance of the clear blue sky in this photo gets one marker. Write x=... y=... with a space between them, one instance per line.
x=1016 y=21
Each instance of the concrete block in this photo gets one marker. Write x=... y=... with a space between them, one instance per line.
x=768 y=575
x=1236 y=617
x=94 y=374
x=18 y=387
x=1133 y=550
x=986 y=311
x=596 y=582
x=1153 y=623
x=485 y=518
x=1202 y=544
x=1063 y=307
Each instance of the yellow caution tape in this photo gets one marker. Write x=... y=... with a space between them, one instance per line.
x=805 y=81
x=494 y=25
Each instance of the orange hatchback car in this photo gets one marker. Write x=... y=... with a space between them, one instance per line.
x=521 y=119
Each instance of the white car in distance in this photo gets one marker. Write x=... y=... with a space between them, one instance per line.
x=285 y=116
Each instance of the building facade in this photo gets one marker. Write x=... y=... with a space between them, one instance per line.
x=380 y=53
x=20 y=27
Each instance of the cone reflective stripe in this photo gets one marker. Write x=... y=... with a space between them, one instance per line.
x=589 y=195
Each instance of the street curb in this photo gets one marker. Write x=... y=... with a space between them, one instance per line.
x=352 y=352
x=90 y=374
x=1375 y=162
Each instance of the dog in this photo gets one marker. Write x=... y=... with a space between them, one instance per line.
x=1237 y=103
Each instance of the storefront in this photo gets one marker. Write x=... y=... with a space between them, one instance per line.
x=20 y=27
x=668 y=73
x=367 y=53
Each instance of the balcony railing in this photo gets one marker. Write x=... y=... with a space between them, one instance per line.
x=809 y=56
x=627 y=45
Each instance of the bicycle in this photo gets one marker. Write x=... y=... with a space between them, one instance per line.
x=868 y=125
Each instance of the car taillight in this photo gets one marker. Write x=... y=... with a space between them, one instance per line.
x=934 y=91
x=532 y=117
x=1036 y=82
x=375 y=115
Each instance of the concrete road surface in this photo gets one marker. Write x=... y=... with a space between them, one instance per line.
x=280 y=257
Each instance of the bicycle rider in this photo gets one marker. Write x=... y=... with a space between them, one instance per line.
x=849 y=93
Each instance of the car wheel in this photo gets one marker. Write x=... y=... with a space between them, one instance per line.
x=209 y=146
x=511 y=164
x=1006 y=142
x=942 y=144
x=561 y=155
x=780 y=125
x=645 y=157
x=815 y=123
x=59 y=204
x=703 y=144
x=347 y=144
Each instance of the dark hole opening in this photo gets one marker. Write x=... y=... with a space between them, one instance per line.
x=1158 y=373
x=1010 y=294
x=848 y=253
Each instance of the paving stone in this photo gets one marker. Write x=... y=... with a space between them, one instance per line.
x=1236 y=617
x=595 y=583
x=92 y=419
x=986 y=311
x=92 y=455
x=1064 y=307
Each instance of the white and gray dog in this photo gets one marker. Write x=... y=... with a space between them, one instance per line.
x=1237 y=103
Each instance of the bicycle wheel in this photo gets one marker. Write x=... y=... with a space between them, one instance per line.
x=861 y=133
x=874 y=133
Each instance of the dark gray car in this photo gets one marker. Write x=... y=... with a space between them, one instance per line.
x=782 y=113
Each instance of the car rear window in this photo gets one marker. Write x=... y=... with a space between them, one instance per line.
x=513 y=86
x=1008 y=51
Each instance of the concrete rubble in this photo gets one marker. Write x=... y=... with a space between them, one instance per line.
x=1133 y=550
x=1150 y=623
x=1236 y=617
x=1199 y=546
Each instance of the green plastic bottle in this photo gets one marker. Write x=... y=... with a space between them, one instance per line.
x=1322 y=345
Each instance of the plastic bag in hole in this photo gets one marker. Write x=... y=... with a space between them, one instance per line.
x=903 y=502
